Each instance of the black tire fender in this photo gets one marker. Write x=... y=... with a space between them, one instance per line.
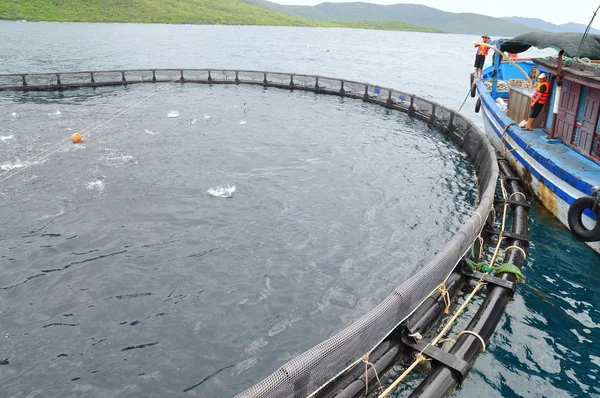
x=478 y=105
x=472 y=79
x=574 y=218
x=473 y=90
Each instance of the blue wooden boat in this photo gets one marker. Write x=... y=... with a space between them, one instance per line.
x=560 y=157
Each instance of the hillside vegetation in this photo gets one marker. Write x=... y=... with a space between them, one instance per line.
x=212 y=12
x=467 y=23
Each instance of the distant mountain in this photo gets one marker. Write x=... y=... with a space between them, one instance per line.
x=221 y=12
x=537 y=23
x=467 y=23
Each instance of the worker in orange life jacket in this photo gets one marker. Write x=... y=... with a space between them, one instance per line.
x=539 y=98
x=482 y=52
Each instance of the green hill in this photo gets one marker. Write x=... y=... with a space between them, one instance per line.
x=229 y=12
x=222 y=12
x=467 y=23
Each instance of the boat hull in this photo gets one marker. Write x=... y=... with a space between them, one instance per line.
x=553 y=192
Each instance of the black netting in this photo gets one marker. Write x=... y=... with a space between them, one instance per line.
x=75 y=78
x=195 y=74
x=251 y=76
x=305 y=81
x=278 y=78
x=422 y=107
x=42 y=80
x=353 y=87
x=11 y=81
x=573 y=44
x=223 y=75
x=330 y=84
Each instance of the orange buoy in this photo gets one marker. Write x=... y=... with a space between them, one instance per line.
x=76 y=138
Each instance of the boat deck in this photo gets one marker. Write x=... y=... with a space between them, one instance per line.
x=562 y=156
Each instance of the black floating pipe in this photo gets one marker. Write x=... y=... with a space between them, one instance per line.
x=442 y=380
x=433 y=307
x=352 y=384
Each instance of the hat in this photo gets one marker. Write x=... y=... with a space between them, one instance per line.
x=485 y=37
x=542 y=76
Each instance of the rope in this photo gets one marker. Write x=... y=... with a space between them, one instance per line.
x=420 y=358
x=518 y=248
x=463 y=104
x=446 y=295
x=465 y=332
x=473 y=334
x=508 y=268
x=367 y=363
x=503 y=139
x=56 y=147
x=587 y=31
x=416 y=335
x=517 y=193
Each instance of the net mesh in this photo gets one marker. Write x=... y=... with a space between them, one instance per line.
x=313 y=369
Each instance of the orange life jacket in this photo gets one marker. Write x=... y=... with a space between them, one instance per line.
x=483 y=50
x=543 y=96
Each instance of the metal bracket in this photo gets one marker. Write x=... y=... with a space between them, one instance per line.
x=494 y=280
x=460 y=367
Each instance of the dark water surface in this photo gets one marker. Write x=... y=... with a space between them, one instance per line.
x=121 y=276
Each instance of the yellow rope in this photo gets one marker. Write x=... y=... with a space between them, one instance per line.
x=517 y=193
x=446 y=295
x=465 y=332
x=480 y=239
x=367 y=363
x=420 y=358
x=518 y=248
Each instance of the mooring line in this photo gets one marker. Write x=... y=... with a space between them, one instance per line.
x=54 y=148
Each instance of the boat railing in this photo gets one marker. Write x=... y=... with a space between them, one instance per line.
x=312 y=369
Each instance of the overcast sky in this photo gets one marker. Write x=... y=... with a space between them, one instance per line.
x=579 y=11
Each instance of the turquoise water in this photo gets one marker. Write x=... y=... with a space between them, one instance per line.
x=547 y=343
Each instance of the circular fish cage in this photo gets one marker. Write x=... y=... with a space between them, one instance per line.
x=397 y=325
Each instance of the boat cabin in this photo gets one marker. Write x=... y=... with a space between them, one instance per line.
x=572 y=112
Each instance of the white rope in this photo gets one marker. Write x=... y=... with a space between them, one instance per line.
x=56 y=147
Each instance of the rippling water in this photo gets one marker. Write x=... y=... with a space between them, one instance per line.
x=122 y=276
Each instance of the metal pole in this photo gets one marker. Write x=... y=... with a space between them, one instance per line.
x=557 y=94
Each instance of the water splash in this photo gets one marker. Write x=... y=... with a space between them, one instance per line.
x=14 y=115
x=206 y=117
x=56 y=113
x=193 y=121
x=11 y=166
x=6 y=137
x=242 y=122
x=97 y=184
x=222 y=192
x=147 y=131
x=173 y=114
